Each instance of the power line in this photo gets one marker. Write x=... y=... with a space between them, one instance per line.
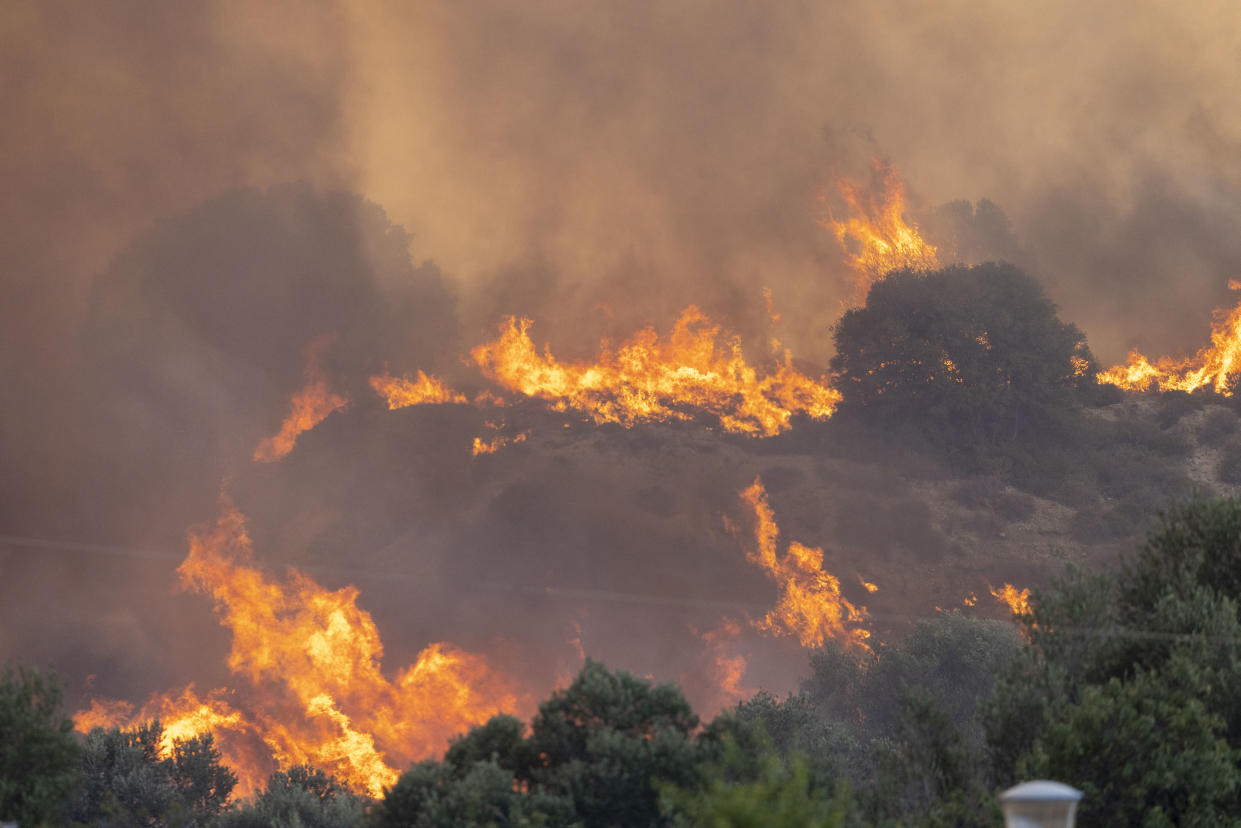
x=584 y=594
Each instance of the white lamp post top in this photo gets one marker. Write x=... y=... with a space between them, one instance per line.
x=1040 y=804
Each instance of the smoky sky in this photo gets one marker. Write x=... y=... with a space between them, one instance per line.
x=193 y=192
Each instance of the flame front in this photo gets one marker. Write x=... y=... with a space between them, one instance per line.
x=695 y=369
x=876 y=237
x=810 y=605
x=311 y=660
x=1018 y=600
x=400 y=392
x=309 y=406
x=1212 y=367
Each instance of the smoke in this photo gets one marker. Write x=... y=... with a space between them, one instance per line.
x=193 y=194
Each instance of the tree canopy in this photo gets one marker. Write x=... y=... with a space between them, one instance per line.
x=38 y=754
x=970 y=353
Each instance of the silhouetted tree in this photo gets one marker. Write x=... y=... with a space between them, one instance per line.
x=127 y=782
x=968 y=354
x=301 y=797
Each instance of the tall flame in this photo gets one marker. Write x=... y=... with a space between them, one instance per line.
x=1212 y=367
x=311 y=660
x=695 y=369
x=810 y=605
x=309 y=406
x=875 y=236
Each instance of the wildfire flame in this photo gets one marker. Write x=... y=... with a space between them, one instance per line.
x=404 y=391
x=695 y=369
x=876 y=237
x=810 y=605
x=498 y=442
x=311 y=660
x=1213 y=366
x=728 y=666
x=1018 y=600
x=309 y=406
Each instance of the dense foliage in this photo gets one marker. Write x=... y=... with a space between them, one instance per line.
x=1130 y=687
x=38 y=754
x=977 y=355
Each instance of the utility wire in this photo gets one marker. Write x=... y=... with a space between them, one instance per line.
x=582 y=594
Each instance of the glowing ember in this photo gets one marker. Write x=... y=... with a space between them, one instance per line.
x=694 y=370
x=1018 y=600
x=876 y=237
x=810 y=605
x=311 y=659
x=400 y=392
x=309 y=406
x=1212 y=367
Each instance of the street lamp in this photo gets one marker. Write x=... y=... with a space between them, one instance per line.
x=1040 y=804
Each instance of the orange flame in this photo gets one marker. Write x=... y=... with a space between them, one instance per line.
x=810 y=605
x=1213 y=366
x=498 y=442
x=876 y=237
x=400 y=392
x=728 y=666
x=648 y=380
x=308 y=407
x=311 y=658
x=1018 y=600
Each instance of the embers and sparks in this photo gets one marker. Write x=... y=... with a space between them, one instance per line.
x=875 y=236
x=694 y=370
x=1018 y=600
x=309 y=406
x=314 y=691
x=810 y=605
x=1212 y=367
x=400 y=392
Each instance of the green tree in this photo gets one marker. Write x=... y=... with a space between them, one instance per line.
x=38 y=753
x=607 y=739
x=1130 y=688
x=782 y=796
x=301 y=797
x=438 y=795
x=970 y=354
x=125 y=780
x=1143 y=752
